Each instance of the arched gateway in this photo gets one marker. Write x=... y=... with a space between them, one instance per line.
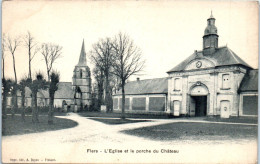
x=198 y=100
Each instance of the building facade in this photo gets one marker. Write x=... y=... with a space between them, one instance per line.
x=211 y=82
x=143 y=96
x=207 y=83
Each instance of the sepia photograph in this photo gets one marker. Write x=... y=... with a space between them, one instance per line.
x=130 y=81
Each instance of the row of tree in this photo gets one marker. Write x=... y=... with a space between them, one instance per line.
x=50 y=53
x=115 y=59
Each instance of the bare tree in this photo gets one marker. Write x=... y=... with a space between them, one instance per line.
x=24 y=82
x=53 y=87
x=7 y=84
x=50 y=52
x=102 y=57
x=99 y=78
x=12 y=44
x=32 y=47
x=35 y=86
x=127 y=61
x=3 y=54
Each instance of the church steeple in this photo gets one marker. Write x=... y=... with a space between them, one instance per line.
x=82 y=57
x=210 y=38
x=81 y=82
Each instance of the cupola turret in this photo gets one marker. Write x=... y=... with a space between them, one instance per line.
x=210 y=38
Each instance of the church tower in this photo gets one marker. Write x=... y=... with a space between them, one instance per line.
x=210 y=38
x=81 y=82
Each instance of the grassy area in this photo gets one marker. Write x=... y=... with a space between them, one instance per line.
x=15 y=126
x=251 y=120
x=41 y=111
x=195 y=131
x=116 y=121
x=128 y=115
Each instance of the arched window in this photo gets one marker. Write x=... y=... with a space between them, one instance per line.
x=78 y=93
x=177 y=84
x=80 y=73
x=225 y=81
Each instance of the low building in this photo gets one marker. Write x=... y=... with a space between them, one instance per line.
x=248 y=91
x=143 y=96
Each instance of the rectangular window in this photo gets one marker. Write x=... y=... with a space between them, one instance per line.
x=127 y=103
x=250 y=105
x=226 y=81
x=177 y=84
x=157 y=104
x=139 y=103
x=115 y=103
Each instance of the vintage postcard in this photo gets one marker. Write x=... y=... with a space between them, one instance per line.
x=129 y=81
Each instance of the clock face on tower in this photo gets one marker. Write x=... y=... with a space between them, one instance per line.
x=198 y=64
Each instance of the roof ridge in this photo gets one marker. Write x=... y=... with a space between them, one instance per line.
x=65 y=82
x=149 y=79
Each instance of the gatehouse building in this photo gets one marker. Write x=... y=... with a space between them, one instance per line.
x=213 y=81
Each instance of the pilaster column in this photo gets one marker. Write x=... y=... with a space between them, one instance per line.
x=147 y=103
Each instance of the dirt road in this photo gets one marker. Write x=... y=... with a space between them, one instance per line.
x=93 y=141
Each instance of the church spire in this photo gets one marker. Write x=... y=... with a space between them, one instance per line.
x=82 y=57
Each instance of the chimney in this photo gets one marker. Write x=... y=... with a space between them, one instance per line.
x=138 y=79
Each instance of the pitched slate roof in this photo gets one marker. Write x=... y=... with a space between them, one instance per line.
x=221 y=57
x=250 y=81
x=28 y=92
x=150 y=86
x=64 y=91
x=43 y=93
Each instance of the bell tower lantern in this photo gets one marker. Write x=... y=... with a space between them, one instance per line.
x=210 y=38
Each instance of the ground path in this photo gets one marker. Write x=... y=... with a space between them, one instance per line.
x=71 y=145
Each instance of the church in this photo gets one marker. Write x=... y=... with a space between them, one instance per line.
x=76 y=94
x=211 y=82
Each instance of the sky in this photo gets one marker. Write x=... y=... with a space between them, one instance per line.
x=167 y=32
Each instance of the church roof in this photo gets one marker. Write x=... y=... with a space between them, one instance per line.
x=43 y=93
x=28 y=92
x=250 y=81
x=221 y=57
x=64 y=91
x=82 y=57
x=150 y=86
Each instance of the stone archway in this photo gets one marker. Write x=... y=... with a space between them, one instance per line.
x=198 y=100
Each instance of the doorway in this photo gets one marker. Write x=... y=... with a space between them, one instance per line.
x=199 y=105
